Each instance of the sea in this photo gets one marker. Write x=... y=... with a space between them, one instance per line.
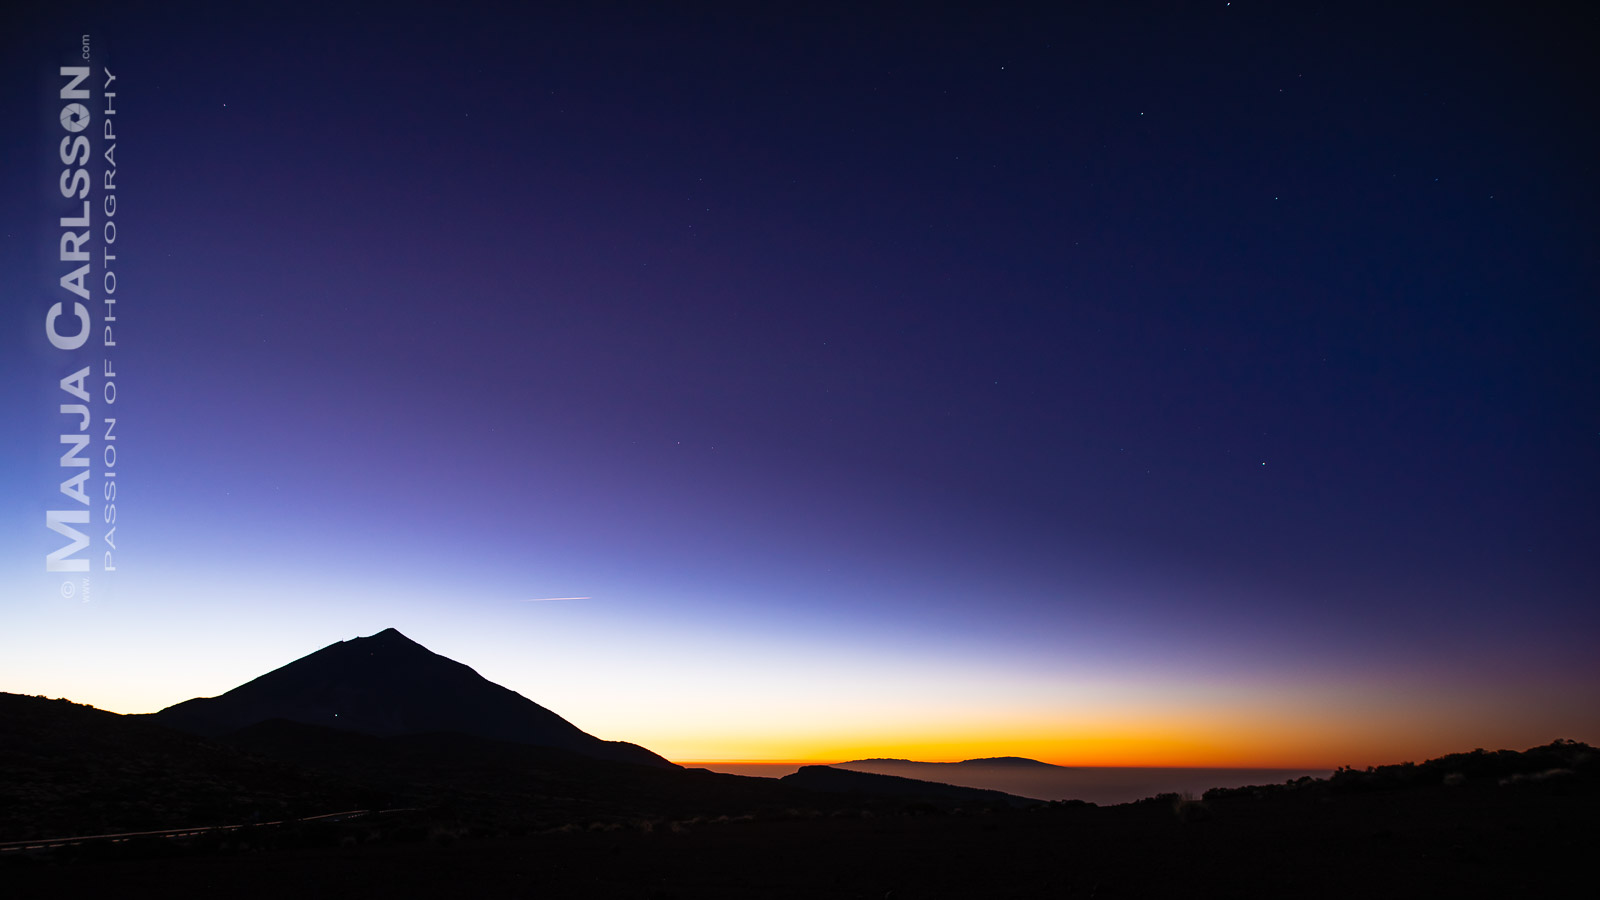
x=1102 y=785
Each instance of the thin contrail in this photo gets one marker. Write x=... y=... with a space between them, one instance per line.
x=546 y=599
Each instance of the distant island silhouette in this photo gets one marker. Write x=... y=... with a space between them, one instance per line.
x=1017 y=762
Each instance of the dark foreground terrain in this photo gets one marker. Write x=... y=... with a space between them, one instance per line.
x=1517 y=840
x=451 y=815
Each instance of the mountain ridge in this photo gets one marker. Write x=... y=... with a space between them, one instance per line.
x=831 y=779
x=386 y=684
x=1020 y=762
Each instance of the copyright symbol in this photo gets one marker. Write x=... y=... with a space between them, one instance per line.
x=67 y=589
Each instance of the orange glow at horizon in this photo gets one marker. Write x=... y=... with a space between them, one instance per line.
x=789 y=707
x=1214 y=744
x=1160 y=721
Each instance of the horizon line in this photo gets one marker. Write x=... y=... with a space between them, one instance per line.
x=821 y=762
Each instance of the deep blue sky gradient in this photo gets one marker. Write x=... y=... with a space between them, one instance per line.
x=1244 y=342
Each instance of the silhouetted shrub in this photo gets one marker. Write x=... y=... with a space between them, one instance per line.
x=1188 y=809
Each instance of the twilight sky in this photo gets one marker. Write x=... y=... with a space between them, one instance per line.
x=1185 y=384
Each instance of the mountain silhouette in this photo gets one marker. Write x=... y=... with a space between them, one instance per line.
x=992 y=762
x=388 y=685
x=1012 y=774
